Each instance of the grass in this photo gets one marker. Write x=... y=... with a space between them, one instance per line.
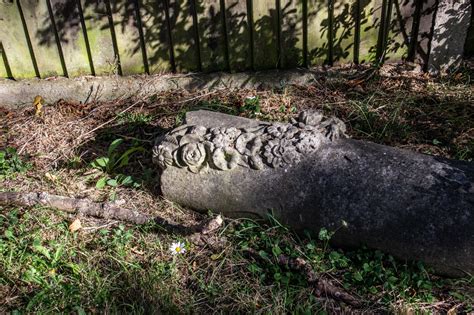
x=46 y=268
x=108 y=266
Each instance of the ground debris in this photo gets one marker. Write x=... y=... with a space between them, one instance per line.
x=322 y=286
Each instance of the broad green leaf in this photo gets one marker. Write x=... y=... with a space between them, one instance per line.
x=113 y=146
x=101 y=182
x=8 y=233
x=112 y=182
x=57 y=254
x=123 y=160
x=101 y=162
x=276 y=250
x=125 y=180
x=41 y=249
x=358 y=276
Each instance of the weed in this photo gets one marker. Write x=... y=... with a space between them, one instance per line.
x=134 y=118
x=251 y=106
x=11 y=163
x=113 y=162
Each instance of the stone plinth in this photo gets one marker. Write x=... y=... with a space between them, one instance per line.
x=310 y=175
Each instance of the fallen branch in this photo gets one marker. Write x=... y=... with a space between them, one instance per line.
x=201 y=234
x=105 y=210
x=322 y=286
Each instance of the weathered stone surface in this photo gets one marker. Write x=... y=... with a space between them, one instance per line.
x=450 y=26
x=310 y=176
x=14 y=94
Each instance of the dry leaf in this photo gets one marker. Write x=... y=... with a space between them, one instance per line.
x=136 y=251
x=50 y=176
x=75 y=225
x=38 y=106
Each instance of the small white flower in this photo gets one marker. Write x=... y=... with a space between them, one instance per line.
x=251 y=97
x=177 y=248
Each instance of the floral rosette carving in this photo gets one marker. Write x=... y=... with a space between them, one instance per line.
x=163 y=152
x=191 y=153
x=280 y=152
x=269 y=145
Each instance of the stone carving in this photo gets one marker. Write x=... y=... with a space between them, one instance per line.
x=409 y=205
x=198 y=148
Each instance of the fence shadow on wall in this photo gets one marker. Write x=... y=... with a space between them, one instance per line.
x=154 y=36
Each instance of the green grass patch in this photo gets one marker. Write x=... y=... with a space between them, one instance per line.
x=47 y=269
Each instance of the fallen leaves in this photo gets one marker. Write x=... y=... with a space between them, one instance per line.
x=75 y=225
x=38 y=105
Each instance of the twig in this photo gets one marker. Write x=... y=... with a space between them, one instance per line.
x=94 y=228
x=197 y=97
x=112 y=119
x=323 y=286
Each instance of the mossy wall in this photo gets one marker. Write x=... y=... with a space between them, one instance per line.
x=44 y=38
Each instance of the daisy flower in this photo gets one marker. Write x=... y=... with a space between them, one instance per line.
x=177 y=248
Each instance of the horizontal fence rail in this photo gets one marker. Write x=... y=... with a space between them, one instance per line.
x=44 y=38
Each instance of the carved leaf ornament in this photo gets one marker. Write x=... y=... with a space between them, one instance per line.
x=198 y=148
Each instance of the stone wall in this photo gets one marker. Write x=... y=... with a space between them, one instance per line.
x=45 y=38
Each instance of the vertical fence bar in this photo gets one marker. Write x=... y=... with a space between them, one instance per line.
x=381 y=33
x=388 y=20
x=15 y=47
x=279 y=35
x=8 y=70
x=226 y=38
x=399 y=29
x=140 y=34
x=430 y=35
x=413 y=42
x=330 y=32
x=357 y=9
x=170 y=38
x=127 y=35
x=56 y=37
x=211 y=35
x=67 y=23
x=186 y=52
x=305 y=33
x=86 y=37
x=265 y=18
x=318 y=13
x=251 y=33
x=291 y=33
x=114 y=37
x=155 y=21
x=28 y=40
x=196 y=33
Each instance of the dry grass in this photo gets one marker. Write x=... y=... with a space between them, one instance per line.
x=393 y=106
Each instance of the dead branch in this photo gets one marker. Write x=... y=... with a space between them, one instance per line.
x=322 y=286
x=105 y=210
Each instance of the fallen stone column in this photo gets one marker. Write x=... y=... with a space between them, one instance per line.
x=309 y=175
